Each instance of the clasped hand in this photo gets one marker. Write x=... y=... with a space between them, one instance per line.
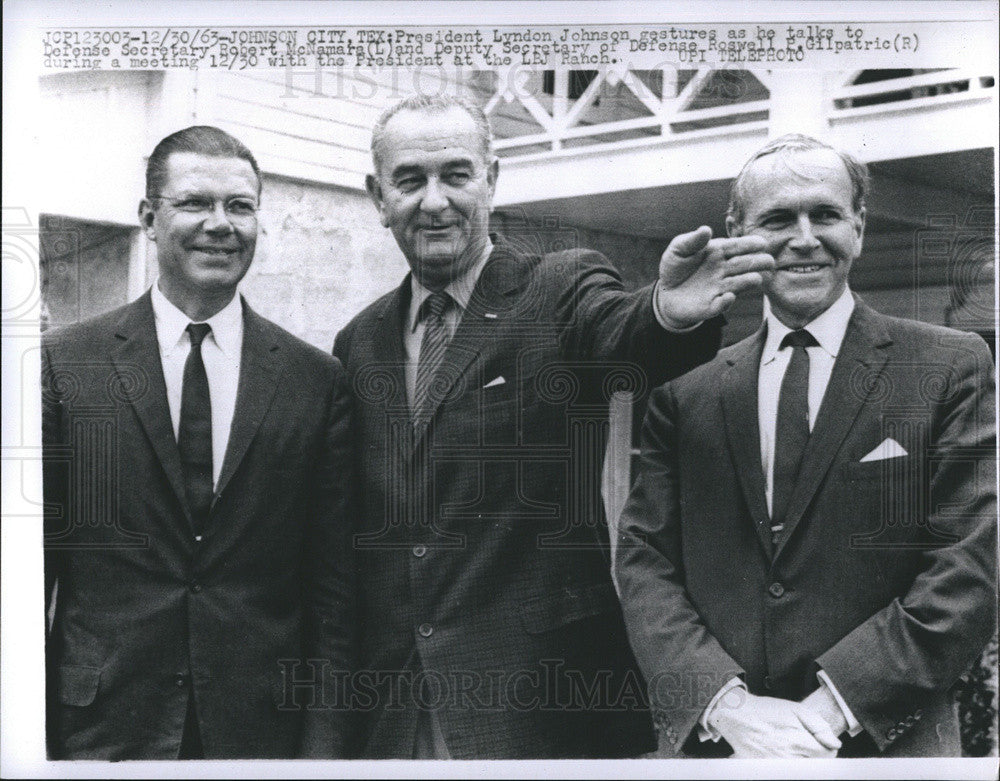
x=771 y=727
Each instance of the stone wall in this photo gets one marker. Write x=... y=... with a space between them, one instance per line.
x=322 y=257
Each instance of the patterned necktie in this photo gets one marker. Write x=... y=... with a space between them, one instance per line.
x=792 y=430
x=432 y=348
x=194 y=436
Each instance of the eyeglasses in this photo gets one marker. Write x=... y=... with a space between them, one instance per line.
x=237 y=209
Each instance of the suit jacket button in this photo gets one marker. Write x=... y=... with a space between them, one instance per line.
x=776 y=590
x=891 y=734
x=426 y=630
x=180 y=680
x=910 y=721
x=419 y=551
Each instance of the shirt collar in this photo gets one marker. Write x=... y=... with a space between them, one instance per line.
x=459 y=289
x=828 y=328
x=171 y=324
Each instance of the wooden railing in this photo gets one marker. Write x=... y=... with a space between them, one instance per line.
x=539 y=114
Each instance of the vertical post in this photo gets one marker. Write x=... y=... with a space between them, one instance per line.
x=668 y=98
x=616 y=478
x=560 y=105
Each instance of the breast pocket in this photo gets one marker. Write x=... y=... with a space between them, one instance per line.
x=884 y=471
x=493 y=415
x=885 y=503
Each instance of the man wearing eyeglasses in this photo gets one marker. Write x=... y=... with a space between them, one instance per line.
x=196 y=483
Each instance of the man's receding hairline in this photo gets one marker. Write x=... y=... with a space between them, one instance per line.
x=796 y=143
x=426 y=105
x=781 y=157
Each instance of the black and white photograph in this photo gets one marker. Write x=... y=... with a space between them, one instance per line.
x=499 y=389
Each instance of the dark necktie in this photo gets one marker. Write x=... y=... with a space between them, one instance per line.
x=194 y=435
x=792 y=430
x=432 y=348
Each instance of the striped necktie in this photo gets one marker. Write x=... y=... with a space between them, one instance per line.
x=432 y=349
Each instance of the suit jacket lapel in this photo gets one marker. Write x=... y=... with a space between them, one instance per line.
x=739 y=405
x=388 y=346
x=490 y=305
x=140 y=376
x=261 y=364
x=387 y=357
x=856 y=373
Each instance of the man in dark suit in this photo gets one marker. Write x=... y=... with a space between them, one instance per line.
x=489 y=623
x=196 y=481
x=807 y=561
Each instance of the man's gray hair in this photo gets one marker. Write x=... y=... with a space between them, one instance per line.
x=796 y=142
x=434 y=104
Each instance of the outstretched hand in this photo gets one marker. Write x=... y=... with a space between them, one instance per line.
x=700 y=276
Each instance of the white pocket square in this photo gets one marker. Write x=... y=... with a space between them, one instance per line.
x=496 y=381
x=890 y=448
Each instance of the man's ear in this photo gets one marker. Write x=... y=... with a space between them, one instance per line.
x=859 y=229
x=491 y=175
x=146 y=218
x=733 y=228
x=375 y=193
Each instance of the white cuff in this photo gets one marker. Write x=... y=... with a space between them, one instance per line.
x=664 y=324
x=705 y=730
x=853 y=726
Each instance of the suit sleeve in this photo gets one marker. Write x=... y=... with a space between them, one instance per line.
x=53 y=482
x=921 y=643
x=683 y=663
x=54 y=497
x=330 y=593
x=341 y=345
x=603 y=322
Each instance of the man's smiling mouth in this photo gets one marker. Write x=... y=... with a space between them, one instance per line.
x=219 y=251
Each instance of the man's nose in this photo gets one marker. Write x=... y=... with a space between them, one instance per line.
x=804 y=239
x=434 y=199
x=217 y=221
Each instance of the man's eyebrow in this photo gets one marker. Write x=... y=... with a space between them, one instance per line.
x=406 y=170
x=775 y=211
x=203 y=192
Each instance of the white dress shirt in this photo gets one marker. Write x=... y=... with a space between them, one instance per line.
x=220 y=352
x=829 y=329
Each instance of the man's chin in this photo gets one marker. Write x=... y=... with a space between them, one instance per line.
x=436 y=267
x=218 y=282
